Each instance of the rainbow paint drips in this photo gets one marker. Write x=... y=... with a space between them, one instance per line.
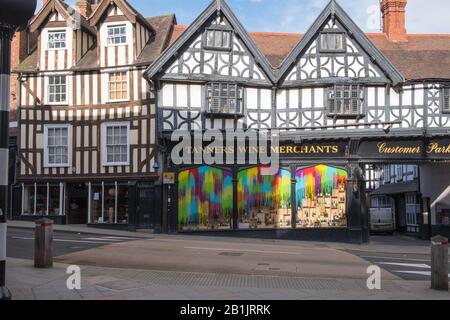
x=205 y=198
x=257 y=191
x=320 y=180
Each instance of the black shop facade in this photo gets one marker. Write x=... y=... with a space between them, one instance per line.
x=316 y=193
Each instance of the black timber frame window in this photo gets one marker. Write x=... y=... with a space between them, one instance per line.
x=218 y=38
x=446 y=99
x=345 y=100
x=224 y=98
x=333 y=41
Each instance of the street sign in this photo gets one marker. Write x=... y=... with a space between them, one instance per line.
x=168 y=178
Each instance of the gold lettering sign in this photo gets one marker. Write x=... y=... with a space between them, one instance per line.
x=306 y=149
x=436 y=148
x=383 y=148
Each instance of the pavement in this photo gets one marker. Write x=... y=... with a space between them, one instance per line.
x=27 y=283
x=134 y=265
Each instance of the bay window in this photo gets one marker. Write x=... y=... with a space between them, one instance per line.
x=224 y=98
x=345 y=100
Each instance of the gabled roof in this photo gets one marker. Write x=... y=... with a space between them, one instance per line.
x=333 y=10
x=215 y=7
x=63 y=9
x=131 y=14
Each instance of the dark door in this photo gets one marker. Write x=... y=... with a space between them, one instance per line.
x=148 y=208
x=78 y=204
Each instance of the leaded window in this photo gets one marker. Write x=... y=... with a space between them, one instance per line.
x=117 y=35
x=446 y=99
x=224 y=98
x=345 y=100
x=218 y=39
x=57 y=139
x=332 y=42
x=56 y=40
x=57 y=89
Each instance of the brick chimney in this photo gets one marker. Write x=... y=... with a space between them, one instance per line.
x=19 y=51
x=84 y=7
x=394 y=25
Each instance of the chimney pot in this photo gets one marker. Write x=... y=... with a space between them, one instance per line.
x=84 y=7
x=394 y=23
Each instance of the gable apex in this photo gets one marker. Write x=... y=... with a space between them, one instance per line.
x=334 y=11
x=216 y=7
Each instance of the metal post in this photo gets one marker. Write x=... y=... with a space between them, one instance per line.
x=439 y=263
x=43 y=249
x=5 y=70
x=13 y=14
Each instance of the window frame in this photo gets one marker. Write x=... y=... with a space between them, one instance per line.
x=361 y=89
x=221 y=29
x=333 y=31
x=445 y=98
x=47 y=85
x=60 y=31
x=108 y=83
x=108 y=38
x=47 y=163
x=239 y=97
x=104 y=149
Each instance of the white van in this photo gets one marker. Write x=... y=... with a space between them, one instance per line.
x=382 y=220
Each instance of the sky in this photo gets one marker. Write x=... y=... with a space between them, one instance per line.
x=296 y=16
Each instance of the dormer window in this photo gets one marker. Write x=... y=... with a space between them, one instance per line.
x=224 y=98
x=57 y=39
x=345 y=100
x=218 y=39
x=446 y=99
x=117 y=35
x=332 y=42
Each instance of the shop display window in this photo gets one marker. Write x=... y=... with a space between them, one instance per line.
x=321 y=197
x=264 y=200
x=109 y=204
x=205 y=199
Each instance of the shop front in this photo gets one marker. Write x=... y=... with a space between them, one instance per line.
x=312 y=195
x=317 y=193
x=101 y=204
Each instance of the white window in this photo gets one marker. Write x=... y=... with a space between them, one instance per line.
x=57 y=89
x=117 y=35
x=56 y=40
x=218 y=39
x=118 y=86
x=332 y=42
x=57 y=145
x=115 y=144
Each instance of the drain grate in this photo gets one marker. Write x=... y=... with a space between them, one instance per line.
x=231 y=254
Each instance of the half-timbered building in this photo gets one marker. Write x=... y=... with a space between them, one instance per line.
x=343 y=100
x=87 y=138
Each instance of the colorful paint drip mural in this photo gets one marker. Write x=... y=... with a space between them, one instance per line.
x=321 y=197
x=264 y=201
x=205 y=199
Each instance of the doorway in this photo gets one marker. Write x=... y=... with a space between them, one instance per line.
x=78 y=204
x=148 y=208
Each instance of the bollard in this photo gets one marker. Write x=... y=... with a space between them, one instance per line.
x=43 y=249
x=439 y=263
